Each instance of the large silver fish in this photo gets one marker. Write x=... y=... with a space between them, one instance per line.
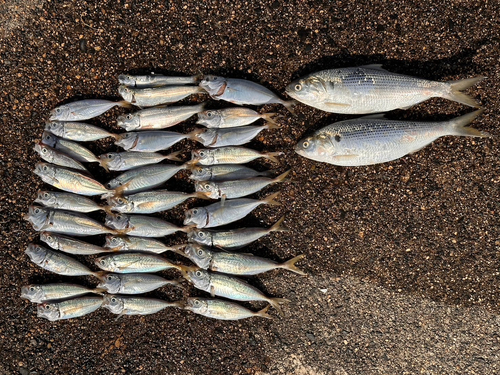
x=67 y=201
x=58 y=263
x=369 y=141
x=84 y=109
x=131 y=243
x=232 y=239
x=222 y=213
x=56 y=157
x=232 y=117
x=224 y=172
x=70 y=148
x=65 y=222
x=151 y=141
x=230 y=155
x=132 y=283
x=51 y=292
x=123 y=161
x=230 y=136
x=71 y=245
x=241 y=91
x=142 y=225
x=134 y=263
x=155 y=80
x=77 y=131
x=121 y=305
x=371 y=89
x=222 y=310
x=70 y=309
x=149 y=97
x=236 y=264
x=157 y=117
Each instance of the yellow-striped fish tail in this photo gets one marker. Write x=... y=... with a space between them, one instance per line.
x=270 y=199
x=290 y=265
x=272 y=156
x=263 y=313
x=456 y=95
x=276 y=302
x=277 y=227
x=282 y=176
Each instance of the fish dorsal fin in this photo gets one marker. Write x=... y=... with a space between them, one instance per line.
x=374 y=66
x=378 y=116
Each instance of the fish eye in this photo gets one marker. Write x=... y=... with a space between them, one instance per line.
x=209 y=114
x=129 y=117
x=108 y=186
x=32 y=288
x=109 y=278
x=120 y=200
x=195 y=211
x=102 y=261
x=207 y=186
x=215 y=78
x=58 y=110
x=305 y=144
x=46 y=195
x=201 y=234
x=47 y=307
x=37 y=210
x=200 y=252
x=113 y=299
x=298 y=87
x=45 y=168
x=119 y=217
x=49 y=238
x=197 y=302
x=44 y=150
x=199 y=170
x=202 y=153
x=199 y=273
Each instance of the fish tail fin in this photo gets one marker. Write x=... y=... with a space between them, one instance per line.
x=124 y=104
x=458 y=126
x=455 y=88
x=115 y=136
x=177 y=283
x=190 y=164
x=276 y=302
x=282 y=177
x=271 y=125
x=107 y=209
x=277 y=227
x=103 y=163
x=263 y=313
x=187 y=228
x=118 y=192
x=192 y=135
x=173 y=156
x=268 y=117
x=289 y=105
x=290 y=265
x=99 y=290
x=118 y=137
x=99 y=274
x=270 y=200
x=272 y=156
x=178 y=249
x=202 y=195
x=201 y=107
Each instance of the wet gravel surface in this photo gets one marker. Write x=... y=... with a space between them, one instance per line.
x=403 y=257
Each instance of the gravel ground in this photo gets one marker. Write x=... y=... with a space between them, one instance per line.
x=403 y=257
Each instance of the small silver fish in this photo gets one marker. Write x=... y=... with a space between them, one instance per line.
x=50 y=292
x=84 y=109
x=132 y=283
x=230 y=136
x=65 y=222
x=369 y=141
x=236 y=188
x=135 y=305
x=230 y=155
x=151 y=141
x=224 y=172
x=232 y=239
x=155 y=80
x=149 y=202
x=67 y=201
x=371 y=89
x=222 y=213
x=134 y=263
x=236 y=264
x=55 y=157
x=149 y=97
x=69 y=180
x=228 y=286
x=70 y=309
x=222 y=310
x=123 y=161
x=56 y=262
x=157 y=117
x=241 y=91
x=77 y=131
x=70 y=148
x=144 y=178
x=71 y=245
x=130 y=243
x=142 y=225
x=232 y=117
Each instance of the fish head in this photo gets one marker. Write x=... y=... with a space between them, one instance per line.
x=196 y=216
x=37 y=216
x=206 y=136
x=210 y=188
x=118 y=221
x=115 y=242
x=55 y=127
x=210 y=118
x=113 y=303
x=198 y=255
x=61 y=113
x=200 y=173
x=306 y=90
x=200 y=278
x=196 y=305
x=120 y=204
x=49 y=239
x=48 y=311
x=129 y=122
x=46 y=198
x=49 y=139
x=33 y=293
x=106 y=263
x=45 y=152
x=126 y=79
x=46 y=172
x=316 y=147
x=110 y=160
x=114 y=183
x=200 y=236
x=214 y=85
x=127 y=140
x=203 y=155
x=111 y=282
x=36 y=253
x=126 y=93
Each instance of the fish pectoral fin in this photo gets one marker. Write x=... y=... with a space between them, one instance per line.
x=337 y=104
